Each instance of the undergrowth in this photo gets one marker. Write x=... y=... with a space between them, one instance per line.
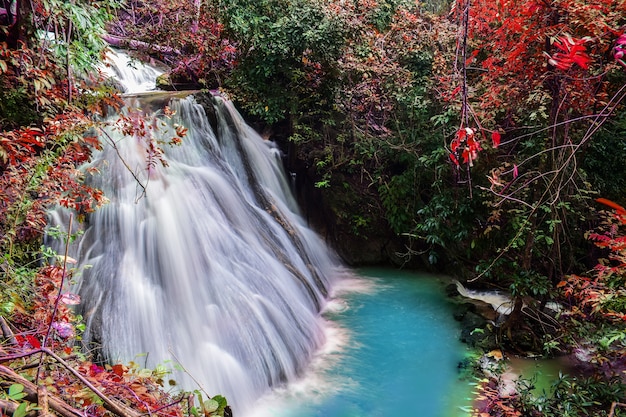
x=594 y=320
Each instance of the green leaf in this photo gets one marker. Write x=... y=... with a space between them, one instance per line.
x=210 y=405
x=7 y=307
x=16 y=392
x=21 y=410
x=220 y=399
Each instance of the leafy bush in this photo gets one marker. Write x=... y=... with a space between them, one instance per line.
x=287 y=56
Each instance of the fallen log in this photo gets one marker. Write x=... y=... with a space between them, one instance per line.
x=57 y=405
x=121 y=42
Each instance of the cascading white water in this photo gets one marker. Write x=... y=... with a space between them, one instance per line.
x=133 y=75
x=211 y=267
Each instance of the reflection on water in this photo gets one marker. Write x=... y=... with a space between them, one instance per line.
x=542 y=372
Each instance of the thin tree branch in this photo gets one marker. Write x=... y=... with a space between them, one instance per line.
x=109 y=404
x=128 y=168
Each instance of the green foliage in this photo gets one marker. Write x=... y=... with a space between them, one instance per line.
x=398 y=197
x=617 y=336
x=17 y=286
x=78 y=29
x=213 y=407
x=15 y=107
x=605 y=153
x=569 y=396
x=381 y=16
x=436 y=6
x=530 y=283
x=443 y=223
x=16 y=392
x=288 y=54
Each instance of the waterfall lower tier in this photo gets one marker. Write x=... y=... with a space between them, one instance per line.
x=205 y=262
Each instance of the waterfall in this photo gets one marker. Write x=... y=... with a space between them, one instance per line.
x=211 y=266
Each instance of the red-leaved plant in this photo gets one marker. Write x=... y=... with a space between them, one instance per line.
x=603 y=292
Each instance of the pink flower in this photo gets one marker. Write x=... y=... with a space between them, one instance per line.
x=63 y=328
x=70 y=299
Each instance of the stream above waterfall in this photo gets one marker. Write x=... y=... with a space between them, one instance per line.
x=392 y=349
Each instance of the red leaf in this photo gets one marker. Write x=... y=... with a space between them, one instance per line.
x=95 y=369
x=33 y=341
x=572 y=52
x=69 y=298
x=613 y=205
x=466 y=156
x=454 y=145
x=119 y=369
x=495 y=138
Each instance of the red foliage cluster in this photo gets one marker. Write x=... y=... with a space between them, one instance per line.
x=38 y=162
x=185 y=35
x=466 y=145
x=33 y=322
x=603 y=293
x=502 y=58
x=43 y=172
x=209 y=53
x=18 y=145
x=570 y=51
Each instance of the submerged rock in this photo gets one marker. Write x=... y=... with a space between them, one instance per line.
x=478 y=332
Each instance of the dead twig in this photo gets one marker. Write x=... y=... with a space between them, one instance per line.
x=109 y=404
x=6 y=331
x=614 y=406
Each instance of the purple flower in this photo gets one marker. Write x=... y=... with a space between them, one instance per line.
x=63 y=328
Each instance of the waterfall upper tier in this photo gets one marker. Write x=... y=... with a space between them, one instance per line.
x=133 y=75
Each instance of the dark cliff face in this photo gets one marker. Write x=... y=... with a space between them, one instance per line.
x=347 y=213
x=348 y=216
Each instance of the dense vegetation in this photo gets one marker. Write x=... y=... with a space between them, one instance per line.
x=484 y=138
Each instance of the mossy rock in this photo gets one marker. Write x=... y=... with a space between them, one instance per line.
x=164 y=82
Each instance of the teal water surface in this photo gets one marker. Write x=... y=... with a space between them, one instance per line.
x=392 y=350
